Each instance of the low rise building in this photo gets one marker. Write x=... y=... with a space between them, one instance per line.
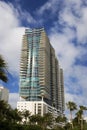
x=4 y=93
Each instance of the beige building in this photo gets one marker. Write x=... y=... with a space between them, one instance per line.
x=4 y=93
x=41 y=78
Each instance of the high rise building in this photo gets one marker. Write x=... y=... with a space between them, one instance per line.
x=41 y=79
x=4 y=93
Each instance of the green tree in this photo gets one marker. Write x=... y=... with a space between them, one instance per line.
x=3 y=69
x=43 y=121
x=81 y=112
x=61 y=119
x=4 y=110
x=47 y=120
x=71 y=106
x=33 y=119
x=14 y=116
x=7 y=114
x=26 y=116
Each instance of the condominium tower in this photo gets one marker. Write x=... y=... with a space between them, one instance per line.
x=41 y=79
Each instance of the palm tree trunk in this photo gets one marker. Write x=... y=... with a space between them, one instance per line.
x=81 y=123
x=71 y=119
x=78 y=121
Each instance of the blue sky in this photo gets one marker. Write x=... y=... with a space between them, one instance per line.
x=65 y=22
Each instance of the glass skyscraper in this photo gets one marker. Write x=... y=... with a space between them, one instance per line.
x=41 y=78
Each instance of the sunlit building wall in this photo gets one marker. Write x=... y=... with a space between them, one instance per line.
x=4 y=93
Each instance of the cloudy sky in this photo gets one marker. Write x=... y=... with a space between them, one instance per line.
x=65 y=22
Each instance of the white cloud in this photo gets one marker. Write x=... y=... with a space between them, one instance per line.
x=69 y=47
x=67 y=55
x=49 y=5
x=11 y=46
x=74 y=15
x=13 y=98
x=64 y=49
x=10 y=36
x=11 y=33
x=82 y=26
x=26 y=16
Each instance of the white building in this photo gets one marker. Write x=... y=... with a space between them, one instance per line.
x=37 y=107
x=4 y=93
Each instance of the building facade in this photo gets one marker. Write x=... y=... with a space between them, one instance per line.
x=4 y=93
x=41 y=79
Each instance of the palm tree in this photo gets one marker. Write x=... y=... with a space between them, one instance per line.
x=78 y=115
x=71 y=106
x=3 y=69
x=82 y=109
x=26 y=115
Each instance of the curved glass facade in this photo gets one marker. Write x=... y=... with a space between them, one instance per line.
x=29 y=83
